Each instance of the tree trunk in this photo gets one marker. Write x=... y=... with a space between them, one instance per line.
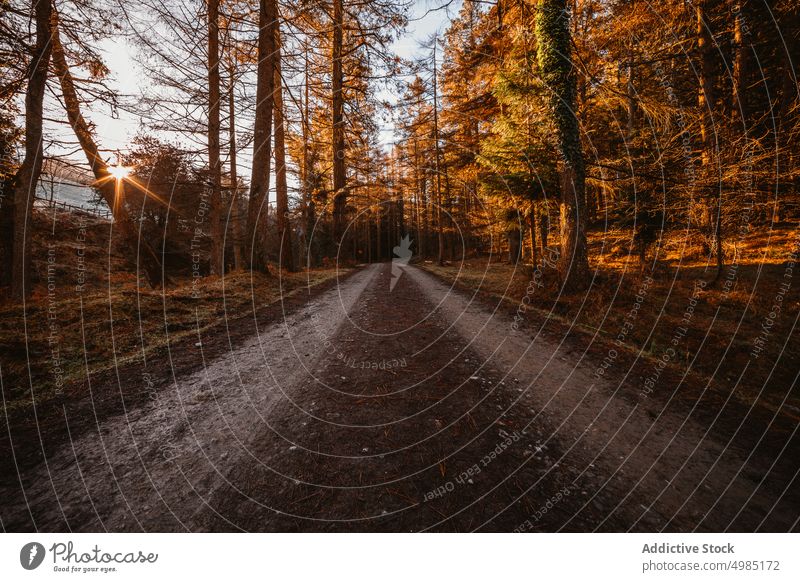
x=337 y=109
x=379 y=237
x=236 y=219
x=544 y=229
x=307 y=204
x=631 y=99
x=740 y=69
x=514 y=244
x=281 y=187
x=398 y=193
x=705 y=93
x=554 y=50
x=369 y=237
x=426 y=213
x=27 y=176
x=532 y=227
x=705 y=103
x=419 y=196
x=214 y=165
x=111 y=190
x=258 y=205
x=439 y=232
x=449 y=242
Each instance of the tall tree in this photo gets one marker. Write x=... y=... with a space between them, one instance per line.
x=27 y=177
x=706 y=107
x=110 y=190
x=281 y=186
x=437 y=158
x=554 y=56
x=741 y=68
x=235 y=206
x=258 y=205
x=214 y=163
x=337 y=122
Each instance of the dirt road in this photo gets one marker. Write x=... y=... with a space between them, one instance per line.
x=393 y=403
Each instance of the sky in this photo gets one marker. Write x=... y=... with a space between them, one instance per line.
x=116 y=133
x=424 y=22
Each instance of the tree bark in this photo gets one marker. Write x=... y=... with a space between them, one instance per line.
x=337 y=109
x=27 y=176
x=419 y=201
x=307 y=204
x=368 y=224
x=214 y=165
x=631 y=99
x=439 y=232
x=281 y=187
x=111 y=191
x=236 y=219
x=705 y=104
x=514 y=244
x=426 y=213
x=705 y=93
x=740 y=68
x=258 y=205
x=554 y=50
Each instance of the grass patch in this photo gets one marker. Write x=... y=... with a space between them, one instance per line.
x=710 y=332
x=58 y=336
x=89 y=312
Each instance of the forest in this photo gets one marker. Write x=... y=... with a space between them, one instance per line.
x=621 y=175
x=520 y=129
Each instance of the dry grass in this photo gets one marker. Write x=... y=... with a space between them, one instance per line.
x=57 y=341
x=725 y=324
x=62 y=333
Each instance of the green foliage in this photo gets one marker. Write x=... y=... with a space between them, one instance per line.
x=517 y=157
x=556 y=70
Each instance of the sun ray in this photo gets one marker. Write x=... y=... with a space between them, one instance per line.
x=122 y=174
x=117 y=195
x=101 y=181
